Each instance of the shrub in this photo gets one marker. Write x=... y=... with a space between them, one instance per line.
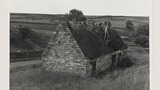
x=24 y=31
x=142 y=40
x=143 y=29
x=75 y=15
x=129 y=25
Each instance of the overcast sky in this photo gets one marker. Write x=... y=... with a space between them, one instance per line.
x=89 y=7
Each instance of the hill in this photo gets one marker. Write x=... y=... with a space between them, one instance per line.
x=26 y=39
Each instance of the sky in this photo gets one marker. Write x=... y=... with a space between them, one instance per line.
x=88 y=7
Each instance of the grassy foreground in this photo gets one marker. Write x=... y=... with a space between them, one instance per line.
x=132 y=74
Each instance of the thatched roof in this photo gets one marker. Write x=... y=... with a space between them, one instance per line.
x=91 y=46
x=91 y=42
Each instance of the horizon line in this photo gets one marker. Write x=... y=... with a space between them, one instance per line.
x=84 y=14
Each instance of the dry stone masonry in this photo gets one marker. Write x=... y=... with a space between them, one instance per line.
x=63 y=54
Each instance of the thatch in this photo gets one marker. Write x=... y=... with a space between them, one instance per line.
x=91 y=46
x=116 y=41
x=90 y=40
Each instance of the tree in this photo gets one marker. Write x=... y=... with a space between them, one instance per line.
x=129 y=25
x=75 y=15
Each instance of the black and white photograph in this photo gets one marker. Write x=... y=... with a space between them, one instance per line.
x=79 y=44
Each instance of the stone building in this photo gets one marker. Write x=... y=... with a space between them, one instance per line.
x=77 y=51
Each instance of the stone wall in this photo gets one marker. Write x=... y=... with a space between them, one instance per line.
x=63 y=53
x=25 y=54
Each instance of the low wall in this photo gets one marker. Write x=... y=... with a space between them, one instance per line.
x=24 y=59
x=22 y=55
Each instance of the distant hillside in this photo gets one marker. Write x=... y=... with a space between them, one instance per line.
x=117 y=21
x=87 y=16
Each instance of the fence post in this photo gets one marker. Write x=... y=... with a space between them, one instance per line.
x=93 y=72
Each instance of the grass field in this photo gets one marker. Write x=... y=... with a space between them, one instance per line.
x=132 y=74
